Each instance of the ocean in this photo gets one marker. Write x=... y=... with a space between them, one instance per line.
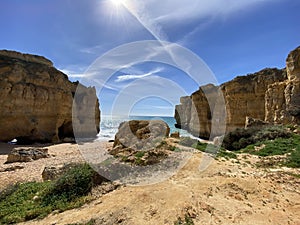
x=109 y=125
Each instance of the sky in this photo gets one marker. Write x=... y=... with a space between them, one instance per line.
x=142 y=56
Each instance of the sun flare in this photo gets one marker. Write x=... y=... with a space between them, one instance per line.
x=117 y=3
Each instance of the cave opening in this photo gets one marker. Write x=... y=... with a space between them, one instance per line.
x=65 y=131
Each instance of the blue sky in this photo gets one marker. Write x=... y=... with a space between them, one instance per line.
x=232 y=37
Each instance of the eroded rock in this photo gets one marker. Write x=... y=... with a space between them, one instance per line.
x=36 y=101
x=141 y=134
x=270 y=95
x=140 y=141
x=27 y=154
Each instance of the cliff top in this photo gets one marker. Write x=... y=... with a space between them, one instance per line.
x=26 y=57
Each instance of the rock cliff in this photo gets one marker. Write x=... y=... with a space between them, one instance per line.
x=271 y=95
x=36 y=100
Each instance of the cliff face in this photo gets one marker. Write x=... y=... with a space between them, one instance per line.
x=36 y=100
x=283 y=98
x=272 y=95
x=245 y=96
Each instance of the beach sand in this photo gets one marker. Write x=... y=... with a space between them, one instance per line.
x=32 y=171
x=227 y=192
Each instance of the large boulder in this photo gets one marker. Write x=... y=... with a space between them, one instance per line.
x=27 y=154
x=141 y=134
x=36 y=101
x=140 y=142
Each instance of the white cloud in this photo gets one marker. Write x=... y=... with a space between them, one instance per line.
x=126 y=77
x=72 y=74
x=178 y=10
x=154 y=15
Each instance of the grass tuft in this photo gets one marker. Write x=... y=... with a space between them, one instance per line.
x=32 y=200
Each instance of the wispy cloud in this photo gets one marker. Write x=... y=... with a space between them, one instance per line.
x=178 y=10
x=127 y=77
x=73 y=74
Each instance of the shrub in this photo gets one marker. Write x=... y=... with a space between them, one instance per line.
x=76 y=182
x=294 y=159
x=31 y=200
x=241 y=137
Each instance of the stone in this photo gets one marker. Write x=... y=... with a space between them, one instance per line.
x=141 y=134
x=12 y=168
x=176 y=134
x=251 y=122
x=27 y=154
x=52 y=172
x=270 y=95
x=218 y=140
x=140 y=142
x=36 y=101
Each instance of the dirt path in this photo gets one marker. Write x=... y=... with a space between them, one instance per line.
x=226 y=193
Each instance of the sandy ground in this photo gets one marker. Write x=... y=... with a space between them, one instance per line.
x=227 y=192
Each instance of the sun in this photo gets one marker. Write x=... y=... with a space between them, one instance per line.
x=117 y=3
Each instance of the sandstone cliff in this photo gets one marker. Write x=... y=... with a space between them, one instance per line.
x=271 y=95
x=36 y=100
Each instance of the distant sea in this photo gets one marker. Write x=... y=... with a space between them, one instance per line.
x=109 y=125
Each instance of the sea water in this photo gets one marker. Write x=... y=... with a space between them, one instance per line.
x=109 y=125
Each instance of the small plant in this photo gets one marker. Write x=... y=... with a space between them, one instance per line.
x=294 y=158
x=139 y=154
x=187 y=221
x=226 y=154
x=200 y=146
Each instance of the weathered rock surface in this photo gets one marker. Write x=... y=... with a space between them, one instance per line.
x=36 y=101
x=141 y=134
x=251 y=122
x=140 y=141
x=283 y=98
x=270 y=95
x=27 y=154
x=176 y=134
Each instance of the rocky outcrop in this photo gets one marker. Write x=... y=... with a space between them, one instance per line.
x=141 y=134
x=245 y=96
x=140 y=142
x=252 y=122
x=24 y=154
x=36 y=101
x=283 y=98
x=271 y=95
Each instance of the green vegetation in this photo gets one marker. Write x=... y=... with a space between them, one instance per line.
x=138 y=158
x=187 y=141
x=226 y=154
x=293 y=159
x=241 y=137
x=32 y=200
x=187 y=221
x=279 y=146
x=208 y=148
